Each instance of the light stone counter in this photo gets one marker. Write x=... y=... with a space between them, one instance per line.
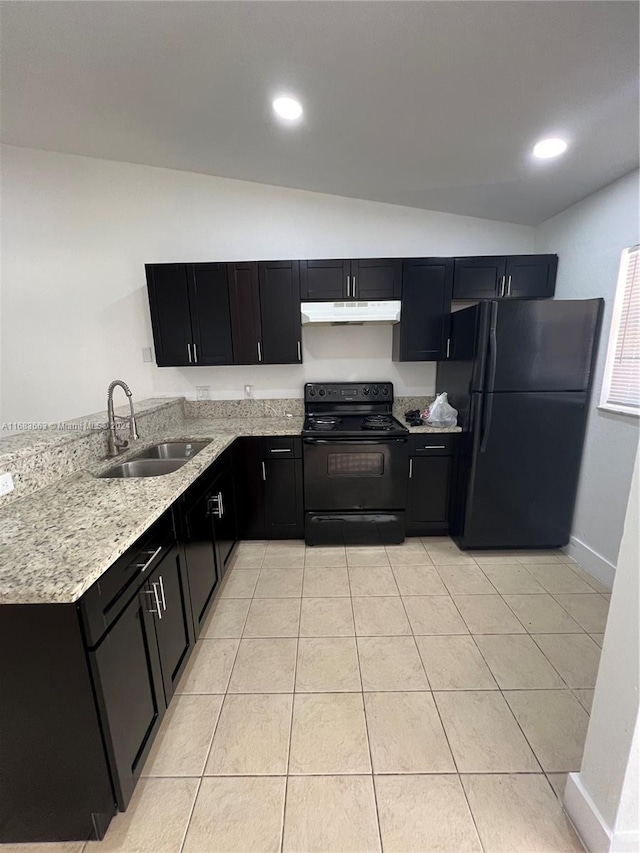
x=56 y=542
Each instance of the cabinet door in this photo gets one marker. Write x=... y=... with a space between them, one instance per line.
x=200 y=558
x=478 y=278
x=245 y=312
x=324 y=280
x=280 y=312
x=423 y=330
x=173 y=623
x=531 y=276
x=126 y=668
x=428 y=495
x=170 y=316
x=247 y=472
x=282 y=491
x=210 y=314
x=224 y=514
x=376 y=278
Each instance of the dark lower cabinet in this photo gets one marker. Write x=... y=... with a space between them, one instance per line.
x=432 y=461
x=223 y=512
x=423 y=331
x=174 y=627
x=200 y=557
x=268 y=479
x=129 y=688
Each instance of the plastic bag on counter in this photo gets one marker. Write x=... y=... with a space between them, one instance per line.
x=441 y=413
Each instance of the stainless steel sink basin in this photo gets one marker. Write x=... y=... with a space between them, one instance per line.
x=144 y=468
x=172 y=450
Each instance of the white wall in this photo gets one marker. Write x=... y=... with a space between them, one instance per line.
x=602 y=800
x=76 y=233
x=589 y=238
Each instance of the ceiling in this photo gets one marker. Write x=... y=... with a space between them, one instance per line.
x=429 y=104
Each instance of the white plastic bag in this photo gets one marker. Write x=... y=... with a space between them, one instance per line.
x=442 y=413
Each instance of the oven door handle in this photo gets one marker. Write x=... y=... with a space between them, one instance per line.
x=358 y=441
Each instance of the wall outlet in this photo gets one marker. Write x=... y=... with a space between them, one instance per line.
x=248 y=392
x=203 y=392
x=6 y=484
x=147 y=354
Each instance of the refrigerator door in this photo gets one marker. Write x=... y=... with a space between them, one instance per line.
x=524 y=467
x=542 y=345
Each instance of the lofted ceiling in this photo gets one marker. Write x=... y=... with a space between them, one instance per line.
x=429 y=104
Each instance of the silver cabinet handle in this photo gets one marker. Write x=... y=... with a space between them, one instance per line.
x=448 y=347
x=434 y=447
x=348 y=286
x=502 y=285
x=154 y=593
x=259 y=351
x=280 y=450
x=410 y=467
x=509 y=286
x=144 y=566
x=164 y=600
x=353 y=287
x=189 y=353
x=264 y=471
x=220 y=504
x=299 y=351
x=195 y=354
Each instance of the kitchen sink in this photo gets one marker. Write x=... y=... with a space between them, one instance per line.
x=144 y=468
x=172 y=450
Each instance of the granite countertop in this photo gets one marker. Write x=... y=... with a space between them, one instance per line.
x=56 y=542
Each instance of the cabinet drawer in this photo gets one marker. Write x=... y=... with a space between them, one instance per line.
x=432 y=444
x=104 y=601
x=282 y=447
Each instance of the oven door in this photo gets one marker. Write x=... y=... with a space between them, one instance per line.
x=355 y=474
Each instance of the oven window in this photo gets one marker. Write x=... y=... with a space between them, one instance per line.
x=355 y=464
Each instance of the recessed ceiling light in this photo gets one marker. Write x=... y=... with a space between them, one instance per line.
x=287 y=108
x=548 y=148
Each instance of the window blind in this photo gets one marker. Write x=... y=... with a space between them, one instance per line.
x=621 y=386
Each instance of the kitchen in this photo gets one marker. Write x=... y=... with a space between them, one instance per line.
x=83 y=300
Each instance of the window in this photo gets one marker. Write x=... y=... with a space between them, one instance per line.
x=621 y=385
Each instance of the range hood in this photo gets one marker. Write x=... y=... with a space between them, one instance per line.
x=350 y=313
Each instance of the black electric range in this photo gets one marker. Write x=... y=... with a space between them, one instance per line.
x=355 y=464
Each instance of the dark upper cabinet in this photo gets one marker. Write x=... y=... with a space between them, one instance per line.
x=210 y=314
x=509 y=277
x=129 y=687
x=365 y=278
x=376 y=278
x=170 y=314
x=244 y=298
x=531 y=276
x=324 y=279
x=423 y=330
x=281 y=338
x=173 y=623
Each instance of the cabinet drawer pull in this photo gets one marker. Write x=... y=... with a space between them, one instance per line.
x=144 y=566
x=259 y=351
x=410 y=468
x=189 y=353
x=164 y=600
x=280 y=450
x=154 y=593
x=435 y=447
x=264 y=471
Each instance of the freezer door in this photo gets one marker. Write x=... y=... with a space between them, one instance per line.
x=523 y=473
x=543 y=345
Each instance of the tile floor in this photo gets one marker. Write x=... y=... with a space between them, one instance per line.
x=409 y=698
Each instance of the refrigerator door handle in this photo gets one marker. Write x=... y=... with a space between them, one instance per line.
x=493 y=349
x=486 y=422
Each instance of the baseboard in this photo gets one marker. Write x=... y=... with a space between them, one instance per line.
x=584 y=815
x=594 y=563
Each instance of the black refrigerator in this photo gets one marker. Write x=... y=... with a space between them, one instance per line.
x=520 y=375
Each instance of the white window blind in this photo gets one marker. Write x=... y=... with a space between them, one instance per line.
x=621 y=386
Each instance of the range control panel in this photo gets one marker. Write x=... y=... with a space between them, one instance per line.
x=348 y=392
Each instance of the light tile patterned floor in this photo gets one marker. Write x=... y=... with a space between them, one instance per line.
x=413 y=698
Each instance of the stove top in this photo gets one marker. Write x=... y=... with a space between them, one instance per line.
x=354 y=409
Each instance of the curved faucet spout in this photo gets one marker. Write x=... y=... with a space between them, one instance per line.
x=116 y=444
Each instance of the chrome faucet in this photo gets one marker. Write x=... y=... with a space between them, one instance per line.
x=115 y=444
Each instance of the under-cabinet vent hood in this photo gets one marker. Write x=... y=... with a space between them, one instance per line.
x=350 y=313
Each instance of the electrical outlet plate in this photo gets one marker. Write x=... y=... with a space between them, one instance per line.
x=6 y=484
x=248 y=392
x=147 y=354
x=203 y=392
